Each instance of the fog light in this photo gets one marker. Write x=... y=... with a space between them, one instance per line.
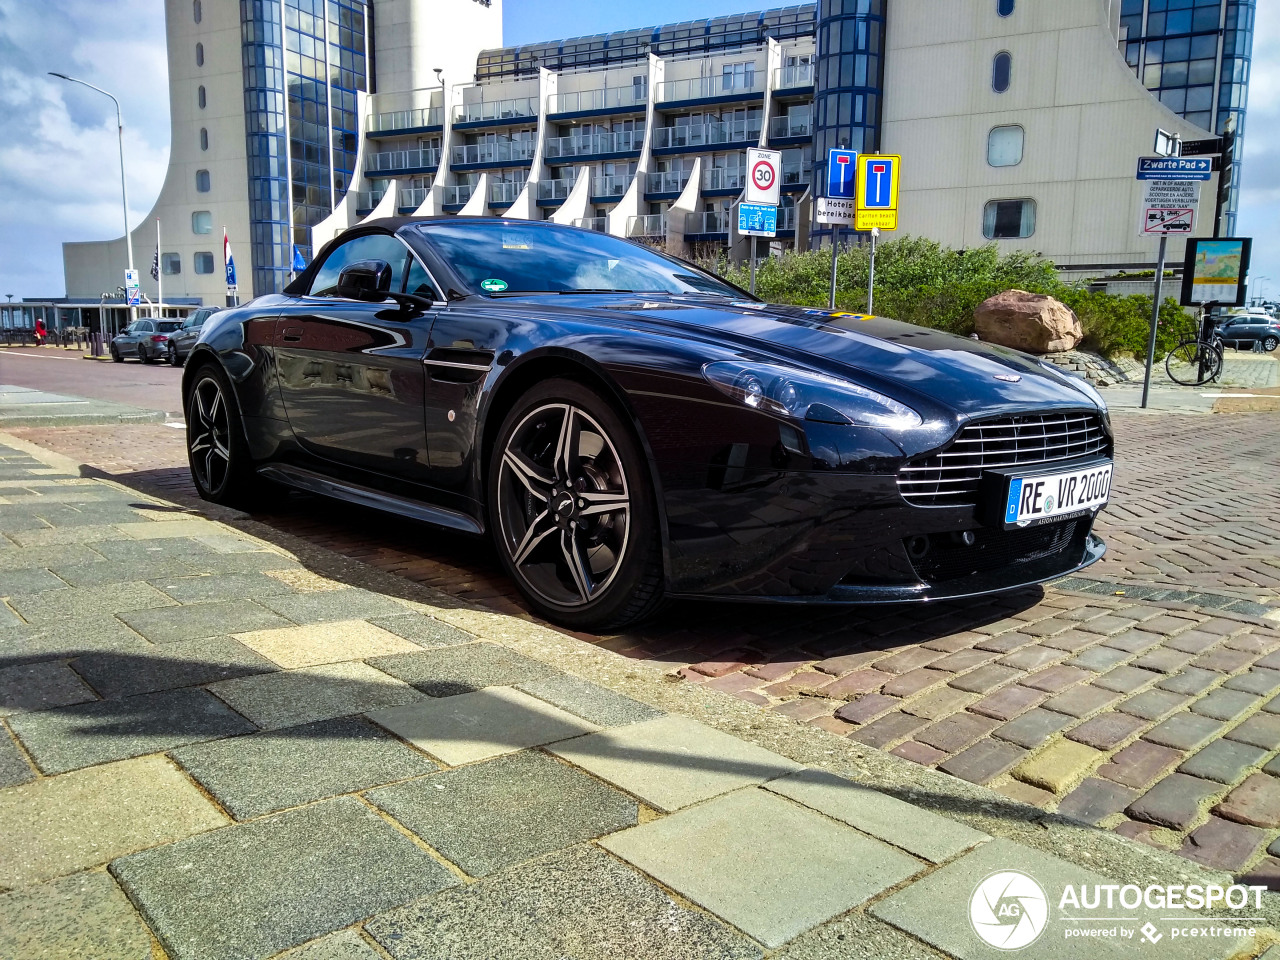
x=917 y=547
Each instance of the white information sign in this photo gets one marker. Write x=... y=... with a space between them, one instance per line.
x=1169 y=207
x=764 y=176
x=836 y=210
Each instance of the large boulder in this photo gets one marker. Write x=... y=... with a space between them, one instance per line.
x=1027 y=321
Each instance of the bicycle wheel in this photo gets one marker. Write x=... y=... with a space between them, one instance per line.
x=1193 y=362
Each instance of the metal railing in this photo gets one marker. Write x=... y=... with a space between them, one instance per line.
x=459 y=192
x=503 y=193
x=710 y=221
x=611 y=98
x=514 y=109
x=788 y=78
x=613 y=185
x=423 y=159
x=649 y=225
x=704 y=88
x=493 y=151
x=413 y=196
x=554 y=189
x=724 y=178
x=598 y=224
x=800 y=125
x=368 y=199
x=666 y=181
x=407 y=119
x=793 y=173
x=595 y=144
x=708 y=134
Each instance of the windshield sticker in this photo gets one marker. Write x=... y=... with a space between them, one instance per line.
x=508 y=245
x=493 y=286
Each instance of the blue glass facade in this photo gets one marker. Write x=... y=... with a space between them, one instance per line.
x=1194 y=55
x=262 y=54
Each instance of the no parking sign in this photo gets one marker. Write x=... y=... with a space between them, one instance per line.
x=764 y=179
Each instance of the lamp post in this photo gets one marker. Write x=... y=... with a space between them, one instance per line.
x=124 y=190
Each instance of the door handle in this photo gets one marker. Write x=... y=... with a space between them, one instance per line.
x=293 y=334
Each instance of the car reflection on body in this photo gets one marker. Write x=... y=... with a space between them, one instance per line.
x=628 y=428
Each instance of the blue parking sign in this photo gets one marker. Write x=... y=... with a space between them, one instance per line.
x=842 y=180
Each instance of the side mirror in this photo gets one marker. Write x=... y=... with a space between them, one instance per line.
x=367 y=280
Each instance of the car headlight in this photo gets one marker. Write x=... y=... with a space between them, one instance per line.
x=772 y=388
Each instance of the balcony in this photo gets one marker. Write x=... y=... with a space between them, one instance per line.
x=496 y=111
x=649 y=225
x=712 y=221
x=796 y=174
x=794 y=77
x=458 y=194
x=707 y=135
x=594 y=145
x=407 y=119
x=598 y=224
x=413 y=196
x=724 y=178
x=613 y=186
x=503 y=193
x=426 y=159
x=632 y=99
x=711 y=88
x=554 y=191
x=368 y=199
x=799 y=125
x=786 y=218
x=666 y=181
x=492 y=151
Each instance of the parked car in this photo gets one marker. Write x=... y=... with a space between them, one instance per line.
x=629 y=428
x=182 y=340
x=145 y=339
x=1243 y=330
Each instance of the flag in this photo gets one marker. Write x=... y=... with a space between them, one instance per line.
x=155 y=265
x=228 y=259
x=299 y=264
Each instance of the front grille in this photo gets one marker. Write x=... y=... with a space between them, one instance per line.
x=950 y=478
x=997 y=550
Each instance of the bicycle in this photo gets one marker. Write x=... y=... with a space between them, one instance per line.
x=1194 y=362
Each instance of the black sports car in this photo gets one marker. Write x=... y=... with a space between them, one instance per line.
x=629 y=428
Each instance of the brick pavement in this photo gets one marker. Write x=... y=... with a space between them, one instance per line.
x=1151 y=718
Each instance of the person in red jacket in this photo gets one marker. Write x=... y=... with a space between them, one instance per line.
x=41 y=333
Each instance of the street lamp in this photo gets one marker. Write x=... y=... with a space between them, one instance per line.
x=124 y=190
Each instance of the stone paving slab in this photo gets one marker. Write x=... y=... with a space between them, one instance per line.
x=927 y=835
x=480 y=725
x=770 y=867
x=672 y=762
x=293 y=697
x=14 y=768
x=135 y=803
x=589 y=701
x=39 y=686
x=344 y=945
x=20 y=582
x=324 y=605
x=856 y=936
x=915 y=910
x=577 y=905
x=25 y=643
x=273 y=770
x=255 y=889
x=207 y=588
x=82 y=601
x=464 y=668
x=91 y=733
x=83 y=915
x=196 y=620
x=487 y=816
x=329 y=642
x=184 y=663
x=425 y=631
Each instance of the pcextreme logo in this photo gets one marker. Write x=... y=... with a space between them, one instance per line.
x=1009 y=910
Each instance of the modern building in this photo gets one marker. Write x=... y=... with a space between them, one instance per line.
x=1019 y=122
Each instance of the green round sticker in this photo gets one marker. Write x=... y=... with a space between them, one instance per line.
x=493 y=286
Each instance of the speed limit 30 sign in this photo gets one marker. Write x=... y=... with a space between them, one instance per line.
x=764 y=176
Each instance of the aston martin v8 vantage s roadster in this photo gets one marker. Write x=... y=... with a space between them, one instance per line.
x=628 y=428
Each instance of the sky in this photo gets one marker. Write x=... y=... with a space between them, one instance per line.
x=59 y=172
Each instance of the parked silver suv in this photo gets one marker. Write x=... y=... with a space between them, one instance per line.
x=145 y=339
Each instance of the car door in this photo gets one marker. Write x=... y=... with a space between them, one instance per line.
x=184 y=339
x=132 y=336
x=351 y=373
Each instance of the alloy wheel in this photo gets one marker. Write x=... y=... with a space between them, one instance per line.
x=209 y=435
x=173 y=355
x=564 y=507
x=1270 y=344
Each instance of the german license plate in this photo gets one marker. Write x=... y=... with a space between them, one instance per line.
x=1039 y=499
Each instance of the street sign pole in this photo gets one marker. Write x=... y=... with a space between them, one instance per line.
x=753 y=267
x=871 y=279
x=835 y=253
x=1155 y=319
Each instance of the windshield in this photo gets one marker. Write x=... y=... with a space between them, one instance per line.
x=502 y=258
x=168 y=326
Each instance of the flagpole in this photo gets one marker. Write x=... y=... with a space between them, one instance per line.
x=159 y=271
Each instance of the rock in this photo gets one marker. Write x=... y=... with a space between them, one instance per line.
x=1027 y=321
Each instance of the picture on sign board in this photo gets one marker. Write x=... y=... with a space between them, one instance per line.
x=1215 y=271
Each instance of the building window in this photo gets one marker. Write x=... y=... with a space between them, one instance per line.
x=1009 y=219
x=202 y=181
x=199 y=54
x=1004 y=7
x=200 y=96
x=203 y=262
x=1001 y=67
x=738 y=76
x=171 y=264
x=204 y=138
x=196 y=12
x=202 y=222
x=1004 y=146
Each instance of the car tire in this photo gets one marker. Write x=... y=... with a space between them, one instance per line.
x=1270 y=343
x=572 y=509
x=142 y=354
x=115 y=355
x=173 y=359
x=217 y=451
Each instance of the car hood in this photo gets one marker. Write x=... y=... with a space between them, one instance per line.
x=962 y=374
